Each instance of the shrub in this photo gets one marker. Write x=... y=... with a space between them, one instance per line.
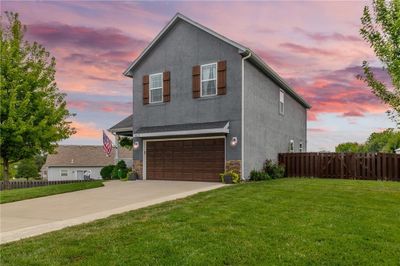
x=120 y=170
x=121 y=165
x=274 y=170
x=122 y=173
x=234 y=175
x=106 y=171
x=259 y=176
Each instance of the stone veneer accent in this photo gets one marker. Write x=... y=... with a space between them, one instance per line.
x=233 y=165
x=138 y=167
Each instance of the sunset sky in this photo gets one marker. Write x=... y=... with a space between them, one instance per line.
x=315 y=46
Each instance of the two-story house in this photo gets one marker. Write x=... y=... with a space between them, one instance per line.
x=203 y=103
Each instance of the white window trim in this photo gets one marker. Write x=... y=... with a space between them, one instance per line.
x=216 y=80
x=283 y=102
x=291 y=146
x=61 y=172
x=162 y=87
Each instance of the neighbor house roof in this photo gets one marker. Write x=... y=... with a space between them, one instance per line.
x=184 y=129
x=244 y=51
x=83 y=156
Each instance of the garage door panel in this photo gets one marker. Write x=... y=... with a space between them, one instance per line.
x=197 y=160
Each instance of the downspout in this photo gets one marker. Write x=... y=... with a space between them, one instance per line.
x=242 y=130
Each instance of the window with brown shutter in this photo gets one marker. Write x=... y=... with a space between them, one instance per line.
x=166 y=85
x=221 y=77
x=146 y=89
x=196 y=81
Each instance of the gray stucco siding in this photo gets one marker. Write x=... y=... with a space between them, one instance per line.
x=182 y=48
x=266 y=132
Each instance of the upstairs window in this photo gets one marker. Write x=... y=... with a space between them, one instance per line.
x=156 y=88
x=208 y=80
x=281 y=102
x=301 y=147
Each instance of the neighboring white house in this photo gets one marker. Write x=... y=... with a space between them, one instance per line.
x=397 y=151
x=73 y=162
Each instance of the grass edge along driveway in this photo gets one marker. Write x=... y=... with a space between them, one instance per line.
x=278 y=222
x=18 y=194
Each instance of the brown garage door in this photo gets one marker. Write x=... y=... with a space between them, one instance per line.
x=196 y=160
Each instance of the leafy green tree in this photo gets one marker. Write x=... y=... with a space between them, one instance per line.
x=27 y=168
x=386 y=141
x=381 y=29
x=33 y=112
x=349 y=147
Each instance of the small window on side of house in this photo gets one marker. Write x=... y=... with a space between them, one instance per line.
x=301 y=147
x=64 y=172
x=281 y=102
x=291 y=146
x=208 y=75
x=156 y=88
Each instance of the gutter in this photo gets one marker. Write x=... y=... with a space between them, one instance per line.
x=242 y=129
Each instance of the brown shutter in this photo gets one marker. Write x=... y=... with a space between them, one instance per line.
x=221 y=77
x=196 y=81
x=146 y=89
x=166 y=86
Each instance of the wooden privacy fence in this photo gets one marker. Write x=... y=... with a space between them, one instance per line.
x=371 y=166
x=35 y=183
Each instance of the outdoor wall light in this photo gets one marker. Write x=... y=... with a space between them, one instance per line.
x=135 y=145
x=234 y=141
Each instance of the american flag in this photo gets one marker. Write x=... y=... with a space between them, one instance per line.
x=107 y=144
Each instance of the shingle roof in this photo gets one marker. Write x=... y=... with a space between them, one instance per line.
x=85 y=155
x=181 y=127
x=124 y=124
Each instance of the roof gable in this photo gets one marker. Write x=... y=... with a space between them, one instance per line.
x=244 y=51
x=179 y=17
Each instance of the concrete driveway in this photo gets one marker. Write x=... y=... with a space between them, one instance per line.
x=37 y=216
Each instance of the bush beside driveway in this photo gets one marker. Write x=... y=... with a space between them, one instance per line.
x=286 y=221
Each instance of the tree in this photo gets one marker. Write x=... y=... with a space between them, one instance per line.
x=381 y=29
x=33 y=112
x=385 y=141
x=27 y=168
x=349 y=147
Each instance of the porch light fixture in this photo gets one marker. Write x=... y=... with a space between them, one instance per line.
x=234 y=141
x=135 y=145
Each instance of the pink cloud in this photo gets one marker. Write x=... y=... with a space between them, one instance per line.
x=335 y=36
x=86 y=130
x=120 y=108
x=312 y=51
x=353 y=114
x=317 y=130
x=80 y=36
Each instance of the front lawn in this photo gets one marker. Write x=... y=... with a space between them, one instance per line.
x=35 y=192
x=287 y=221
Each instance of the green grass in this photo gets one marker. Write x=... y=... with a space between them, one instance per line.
x=279 y=222
x=35 y=192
